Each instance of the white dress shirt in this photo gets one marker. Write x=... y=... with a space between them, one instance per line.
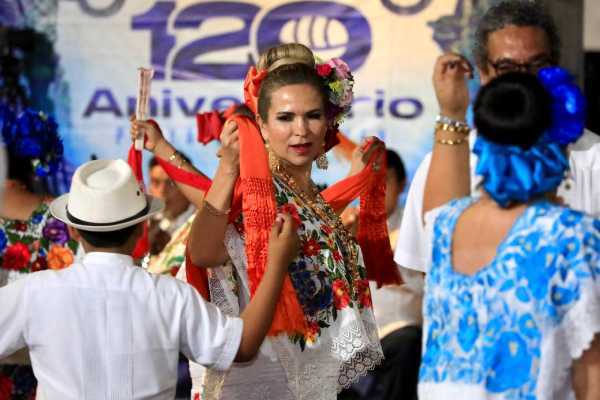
x=106 y=329
x=580 y=191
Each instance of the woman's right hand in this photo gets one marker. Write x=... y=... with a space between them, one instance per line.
x=229 y=153
x=284 y=243
x=153 y=135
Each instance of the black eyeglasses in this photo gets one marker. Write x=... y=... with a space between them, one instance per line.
x=505 y=66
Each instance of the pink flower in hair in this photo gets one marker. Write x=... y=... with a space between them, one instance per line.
x=341 y=68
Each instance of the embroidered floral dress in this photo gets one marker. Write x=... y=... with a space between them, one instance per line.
x=330 y=280
x=512 y=330
x=41 y=242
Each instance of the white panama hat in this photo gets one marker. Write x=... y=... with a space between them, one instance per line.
x=104 y=197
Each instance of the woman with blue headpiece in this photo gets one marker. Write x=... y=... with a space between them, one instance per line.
x=512 y=298
x=30 y=238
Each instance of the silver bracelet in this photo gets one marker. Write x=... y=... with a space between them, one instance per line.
x=442 y=119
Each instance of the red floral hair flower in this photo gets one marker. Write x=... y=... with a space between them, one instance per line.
x=341 y=297
x=311 y=248
x=16 y=257
x=324 y=69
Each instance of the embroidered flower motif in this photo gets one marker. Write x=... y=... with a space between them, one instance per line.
x=364 y=293
x=337 y=256
x=341 y=296
x=56 y=231
x=59 y=257
x=510 y=363
x=39 y=264
x=20 y=226
x=37 y=218
x=291 y=209
x=3 y=239
x=16 y=257
x=311 y=248
x=312 y=333
x=468 y=330
x=326 y=229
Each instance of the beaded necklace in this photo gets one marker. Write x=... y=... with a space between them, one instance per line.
x=322 y=210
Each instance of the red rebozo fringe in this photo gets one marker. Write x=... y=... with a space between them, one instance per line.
x=372 y=235
x=259 y=208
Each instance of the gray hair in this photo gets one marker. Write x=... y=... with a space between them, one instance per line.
x=519 y=13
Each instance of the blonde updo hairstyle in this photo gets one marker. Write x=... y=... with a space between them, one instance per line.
x=287 y=64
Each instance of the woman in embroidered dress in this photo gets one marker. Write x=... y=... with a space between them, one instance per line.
x=512 y=299
x=30 y=238
x=324 y=336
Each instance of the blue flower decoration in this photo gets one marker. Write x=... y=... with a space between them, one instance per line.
x=3 y=240
x=468 y=331
x=511 y=173
x=568 y=105
x=34 y=136
x=528 y=327
x=562 y=296
x=510 y=363
x=536 y=275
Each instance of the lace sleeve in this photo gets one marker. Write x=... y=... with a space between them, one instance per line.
x=575 y=293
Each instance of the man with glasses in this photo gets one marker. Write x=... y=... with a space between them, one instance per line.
x=512 y=36
x=177 y=211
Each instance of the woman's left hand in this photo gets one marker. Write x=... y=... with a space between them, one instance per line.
x=362 y=154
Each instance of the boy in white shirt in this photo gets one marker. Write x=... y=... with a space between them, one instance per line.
x=104 y=328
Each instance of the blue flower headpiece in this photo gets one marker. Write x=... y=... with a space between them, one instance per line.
x=513 y=174
x=32 y=135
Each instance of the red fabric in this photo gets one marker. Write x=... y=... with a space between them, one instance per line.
x=209 y=125
x=372 y=234
x=259 y=208
x=196 y=276
x=134 y=159
x=252 y=84
x=182 y=176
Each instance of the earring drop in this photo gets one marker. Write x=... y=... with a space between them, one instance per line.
x=322 y=162
x=273 y=160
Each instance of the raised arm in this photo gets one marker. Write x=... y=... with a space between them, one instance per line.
x=156 y=143
x=207 y=234
x=449 y=172
x=284 y=245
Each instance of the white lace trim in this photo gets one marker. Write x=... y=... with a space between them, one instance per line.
x=567 y=343
x=453 y=391
x=348 y=349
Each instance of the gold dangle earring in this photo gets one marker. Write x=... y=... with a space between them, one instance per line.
x=322 y=161
x=273 y=161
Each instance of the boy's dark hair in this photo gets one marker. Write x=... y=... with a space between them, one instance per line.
x=395 y=163
x=513 y=109
x=108 y=239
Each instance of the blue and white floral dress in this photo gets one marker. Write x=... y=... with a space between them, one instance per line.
x=513 y=329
